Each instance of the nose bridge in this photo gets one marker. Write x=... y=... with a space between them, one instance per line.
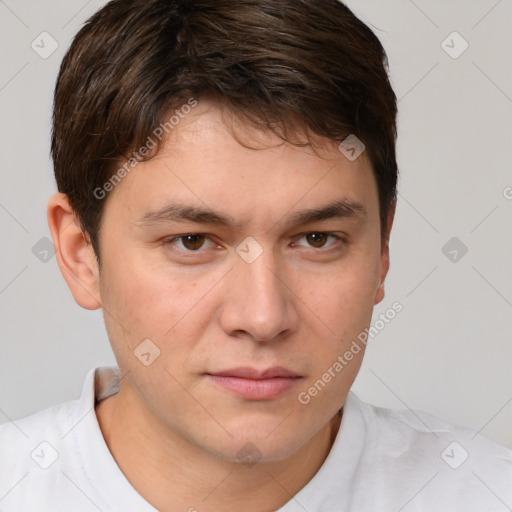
x=260 y=304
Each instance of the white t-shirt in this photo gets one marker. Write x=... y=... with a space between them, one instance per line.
x=381 y=460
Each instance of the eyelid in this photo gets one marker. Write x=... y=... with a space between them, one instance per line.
x=171 y=240
x=337 y=236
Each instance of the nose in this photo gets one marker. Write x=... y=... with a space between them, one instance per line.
x=259 y=303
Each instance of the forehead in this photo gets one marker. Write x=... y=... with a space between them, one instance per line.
x=217 y=163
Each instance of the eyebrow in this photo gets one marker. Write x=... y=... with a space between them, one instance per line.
x=341 y=209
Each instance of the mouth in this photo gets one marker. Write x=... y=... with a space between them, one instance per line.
x=253 y=384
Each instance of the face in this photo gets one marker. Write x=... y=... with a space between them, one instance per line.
x=233 y=261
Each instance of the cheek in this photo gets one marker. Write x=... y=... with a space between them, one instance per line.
x=149 y=303
x=343 y=296
x=344 y=308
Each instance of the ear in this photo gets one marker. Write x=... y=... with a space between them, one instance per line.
x=384 y=256
x=75 y=255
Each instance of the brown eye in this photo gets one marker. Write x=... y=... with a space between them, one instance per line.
x=192 y=242
x=317 y=239
x=321 y=240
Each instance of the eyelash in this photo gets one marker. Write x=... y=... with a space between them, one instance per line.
x=338 y=238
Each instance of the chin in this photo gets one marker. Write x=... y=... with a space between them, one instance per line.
x=252 y=445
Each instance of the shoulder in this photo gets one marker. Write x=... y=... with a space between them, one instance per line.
x=33 y=441
x=419 y=453
x=413 y=431
x=39 y=453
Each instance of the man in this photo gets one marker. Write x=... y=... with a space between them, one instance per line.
x=227 y=187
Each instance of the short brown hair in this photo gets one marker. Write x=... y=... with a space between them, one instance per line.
x=279 y=64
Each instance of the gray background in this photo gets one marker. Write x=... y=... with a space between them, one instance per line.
x=449 y=351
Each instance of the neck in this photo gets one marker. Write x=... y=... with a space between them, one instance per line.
x=171 y=473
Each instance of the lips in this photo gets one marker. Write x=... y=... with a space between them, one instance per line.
x=245 y=372
x=254 y=384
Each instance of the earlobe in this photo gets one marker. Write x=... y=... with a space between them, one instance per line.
x=74 y=253
x=380 y=293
